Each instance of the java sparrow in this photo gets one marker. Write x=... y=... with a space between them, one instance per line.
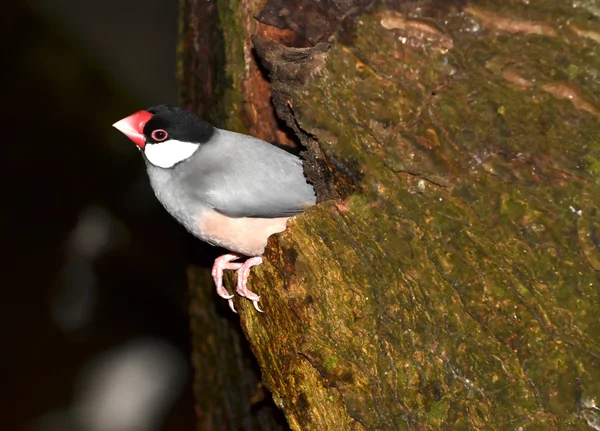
x=228 y=189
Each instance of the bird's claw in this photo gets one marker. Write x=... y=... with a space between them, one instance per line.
x=255 y=303
x=223 y=293
x=248 y=294
x=222 y=263
x=243 y=271
x=242 y=282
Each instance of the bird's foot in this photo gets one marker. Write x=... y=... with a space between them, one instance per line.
x=222 y=263
x=243 y=269
x=242 y=281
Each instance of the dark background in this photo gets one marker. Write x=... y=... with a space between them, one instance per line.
x=94 y=299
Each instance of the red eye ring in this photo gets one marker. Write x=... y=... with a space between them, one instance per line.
x=159 y=135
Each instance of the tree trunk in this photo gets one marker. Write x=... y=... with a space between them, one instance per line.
x=449 y=277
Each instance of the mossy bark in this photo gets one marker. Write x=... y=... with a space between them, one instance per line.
x=449 y=278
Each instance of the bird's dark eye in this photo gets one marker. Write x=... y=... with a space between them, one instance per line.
x=159 y=135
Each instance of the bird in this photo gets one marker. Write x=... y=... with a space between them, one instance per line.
x=226 y=188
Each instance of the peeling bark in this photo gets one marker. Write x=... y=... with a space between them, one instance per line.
x=448 y=279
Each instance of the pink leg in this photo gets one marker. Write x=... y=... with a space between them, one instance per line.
x=222 y=263
x=243 y=269
x=242 y=281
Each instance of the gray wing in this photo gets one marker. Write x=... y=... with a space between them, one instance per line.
x=242 y=176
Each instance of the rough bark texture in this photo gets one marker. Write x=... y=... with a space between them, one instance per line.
x=449 y=278
x=229 y=395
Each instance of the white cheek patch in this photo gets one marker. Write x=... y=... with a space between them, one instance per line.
x=168 y=153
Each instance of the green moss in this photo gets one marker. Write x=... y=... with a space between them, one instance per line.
x=437 y=413
x=231 y=17
x=592 y=159
x=458 y=284
x=493 y=197
x=572 y=71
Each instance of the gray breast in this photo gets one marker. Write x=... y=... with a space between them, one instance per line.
x=178 y=202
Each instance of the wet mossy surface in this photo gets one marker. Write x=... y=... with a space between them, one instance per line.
x=459 y=289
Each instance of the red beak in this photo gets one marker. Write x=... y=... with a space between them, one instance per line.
x=133 y=127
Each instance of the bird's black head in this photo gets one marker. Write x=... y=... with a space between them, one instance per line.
x=166 y=135
x=169 y=122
